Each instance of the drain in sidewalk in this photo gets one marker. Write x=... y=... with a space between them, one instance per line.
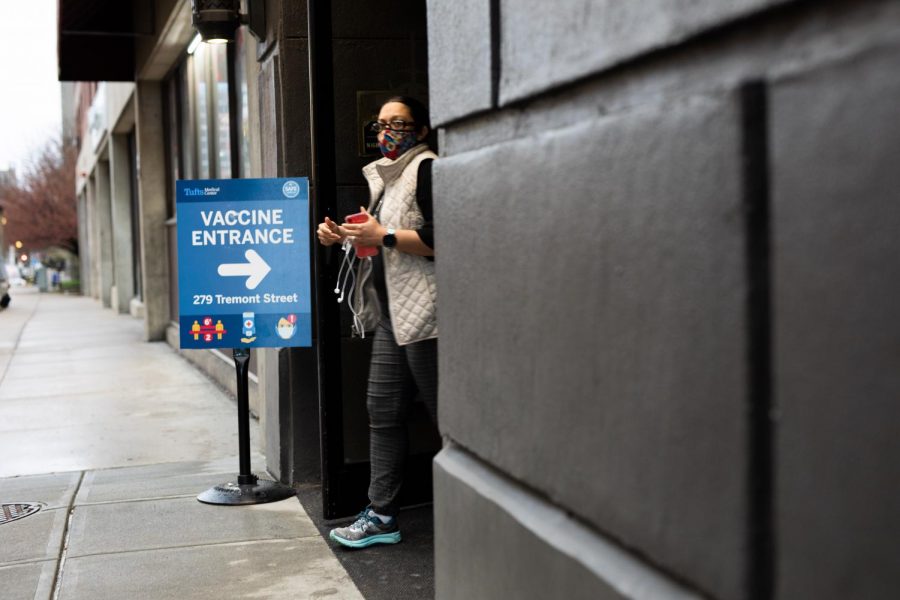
x=14 y=511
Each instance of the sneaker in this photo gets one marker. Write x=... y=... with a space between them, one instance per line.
x=367 y=530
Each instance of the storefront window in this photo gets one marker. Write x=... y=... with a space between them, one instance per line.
x=198 y=140
x=202 y=110
x=219 y=80
x=188 y=146
x=240 y=76
x=198 y=116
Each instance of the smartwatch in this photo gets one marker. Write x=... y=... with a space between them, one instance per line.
x=389 y=240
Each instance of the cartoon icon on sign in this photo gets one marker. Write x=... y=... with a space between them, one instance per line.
x=249 y=330
x=208 y=330
x=286 y=327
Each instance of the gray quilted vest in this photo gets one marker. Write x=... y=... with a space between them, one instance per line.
x=411 y=289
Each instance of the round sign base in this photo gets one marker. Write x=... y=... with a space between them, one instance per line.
x=249 y=493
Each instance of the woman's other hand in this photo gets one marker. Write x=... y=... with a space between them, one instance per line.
x=369 y=233
x=330 y=233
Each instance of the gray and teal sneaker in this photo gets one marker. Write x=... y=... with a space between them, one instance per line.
x=367 y=530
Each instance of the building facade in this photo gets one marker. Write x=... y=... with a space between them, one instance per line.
x=291 y=99
x=667 y=269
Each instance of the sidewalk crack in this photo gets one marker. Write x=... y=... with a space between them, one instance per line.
x=64 y=546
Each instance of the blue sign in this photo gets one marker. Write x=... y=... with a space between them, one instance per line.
x=243 y=263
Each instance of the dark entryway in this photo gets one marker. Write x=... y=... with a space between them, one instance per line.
x=361 y=54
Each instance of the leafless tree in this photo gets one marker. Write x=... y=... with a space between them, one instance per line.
x=41 y=208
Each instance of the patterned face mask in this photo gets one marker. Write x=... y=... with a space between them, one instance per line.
x=394 y=143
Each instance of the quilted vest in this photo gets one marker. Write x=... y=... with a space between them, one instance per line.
x=410 y=279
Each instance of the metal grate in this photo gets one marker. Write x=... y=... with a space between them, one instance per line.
x=19 y=510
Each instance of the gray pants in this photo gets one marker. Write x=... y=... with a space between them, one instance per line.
x=396 y=375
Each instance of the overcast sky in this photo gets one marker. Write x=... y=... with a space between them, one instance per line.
x=29 y=101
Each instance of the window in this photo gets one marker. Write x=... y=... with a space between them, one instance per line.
x=219 y=86
x=199 y=76
x=240 y=76
x=198 y=133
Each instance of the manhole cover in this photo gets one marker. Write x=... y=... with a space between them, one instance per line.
x=20 y=510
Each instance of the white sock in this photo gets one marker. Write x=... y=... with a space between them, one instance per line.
x=384 y=518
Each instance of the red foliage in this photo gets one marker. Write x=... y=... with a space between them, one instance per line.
x=41 y=208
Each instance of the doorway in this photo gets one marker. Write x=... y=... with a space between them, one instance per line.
x=361 y=53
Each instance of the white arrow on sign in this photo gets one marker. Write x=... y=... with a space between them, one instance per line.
x=255 y=270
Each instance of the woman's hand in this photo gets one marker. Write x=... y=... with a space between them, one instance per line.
x=330 y=233
x=366 y=234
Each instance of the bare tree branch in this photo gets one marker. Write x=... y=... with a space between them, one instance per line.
x=41 y=208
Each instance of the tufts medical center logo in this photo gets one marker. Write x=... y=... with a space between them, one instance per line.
x=205 y=191
x=291 y=189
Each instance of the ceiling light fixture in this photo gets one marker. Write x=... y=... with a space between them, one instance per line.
x=217 y=20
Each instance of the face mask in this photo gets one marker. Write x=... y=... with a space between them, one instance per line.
x=285 y=329
x=394 y=143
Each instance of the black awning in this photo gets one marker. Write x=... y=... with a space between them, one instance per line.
x=97 y=38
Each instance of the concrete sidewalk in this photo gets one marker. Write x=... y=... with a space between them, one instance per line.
x=114 y=438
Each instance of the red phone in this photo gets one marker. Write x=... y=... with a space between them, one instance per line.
x=362 y=251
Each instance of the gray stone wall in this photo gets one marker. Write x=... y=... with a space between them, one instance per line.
x=283 y=84
x=836 y=269
x=669 y=270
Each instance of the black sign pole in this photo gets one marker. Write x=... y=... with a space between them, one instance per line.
x=249 y=489
x=242 y=366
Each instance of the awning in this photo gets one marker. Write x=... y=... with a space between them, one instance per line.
x=96 y=39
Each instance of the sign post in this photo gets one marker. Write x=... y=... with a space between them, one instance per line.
x=244 y=282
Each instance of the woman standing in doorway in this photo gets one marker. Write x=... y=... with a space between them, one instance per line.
x=395 y=294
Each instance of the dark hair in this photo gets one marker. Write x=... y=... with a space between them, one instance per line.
x=419 y=111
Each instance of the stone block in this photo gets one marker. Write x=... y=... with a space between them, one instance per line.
x=835 y=137
x=459 y=58
x=546 y=44
x=513 y=544
x=592 y=309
